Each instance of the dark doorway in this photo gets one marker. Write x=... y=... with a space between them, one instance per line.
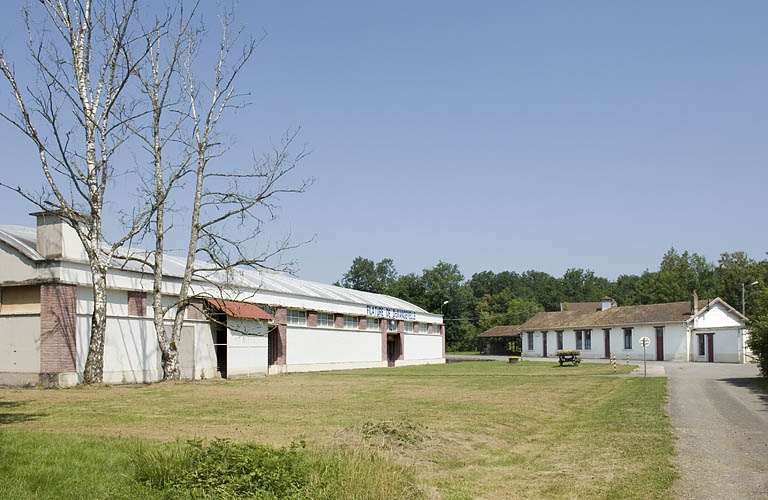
x=659 y=343
x=711 y=347
x=393 y=349
x=544 y=344
x=273 y=346
x=607 y=342
x=219 y=333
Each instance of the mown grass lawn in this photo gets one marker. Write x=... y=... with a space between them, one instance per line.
x=466 y=430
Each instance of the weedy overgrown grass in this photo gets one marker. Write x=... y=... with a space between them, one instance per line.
x=458 y=431
x=223 y=469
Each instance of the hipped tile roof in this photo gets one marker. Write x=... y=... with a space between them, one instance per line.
x=582 y=306
x=615 y=316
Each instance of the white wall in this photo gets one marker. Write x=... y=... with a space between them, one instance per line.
x=20 y=345
x=131 y=352
x=727 y=344
x=15 y=267
x=418 y=346
x=205 y=353
x=246 y=348
x=306 y=346
x=675 y=343
x=716 y=317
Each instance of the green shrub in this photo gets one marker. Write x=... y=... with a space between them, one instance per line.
x=758 y=342
x=222 y=469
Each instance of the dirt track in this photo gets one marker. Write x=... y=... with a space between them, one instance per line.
x=722 y=426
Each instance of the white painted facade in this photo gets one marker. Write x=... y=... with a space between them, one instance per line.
x=316 y=349
x=714 y=334
x=51 y=255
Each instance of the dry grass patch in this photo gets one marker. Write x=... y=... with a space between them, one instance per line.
x=466 y=430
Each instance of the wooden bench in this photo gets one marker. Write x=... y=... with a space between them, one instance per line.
x=514 y=359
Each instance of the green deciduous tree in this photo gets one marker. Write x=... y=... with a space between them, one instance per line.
x=367 y=276
x=504 y=309
x=758 y=338
x=735 y=269
x=678 y=276
x=580 y=285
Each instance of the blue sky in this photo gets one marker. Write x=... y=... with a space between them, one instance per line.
x=501 y=135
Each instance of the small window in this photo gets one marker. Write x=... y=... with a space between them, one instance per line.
x=559 y=341
x=702 y=349
x=372 y=324
x=137 y=304
x=587 y=340
x=325 y=320
x=408 y=327
x=20 y=300
x=627 y=338
x=297 y=317
x=350 y=322
x=530 y=341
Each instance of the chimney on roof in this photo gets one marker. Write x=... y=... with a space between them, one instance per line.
x=694 y=303
x=57 y=239
x=607 y=303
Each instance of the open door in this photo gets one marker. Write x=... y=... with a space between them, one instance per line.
x=394 y=349
x=659 y=344
x=219 y=333
x=273 y=345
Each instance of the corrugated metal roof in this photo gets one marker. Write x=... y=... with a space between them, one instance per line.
x=24 y=239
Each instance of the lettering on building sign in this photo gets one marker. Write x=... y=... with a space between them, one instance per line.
x=386 y=312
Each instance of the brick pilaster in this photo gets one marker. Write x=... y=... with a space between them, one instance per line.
x=58 y=328
x=383 y=330
x=311 y=318
x=281 y=318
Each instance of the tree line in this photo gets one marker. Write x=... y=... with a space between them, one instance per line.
x=488 y=299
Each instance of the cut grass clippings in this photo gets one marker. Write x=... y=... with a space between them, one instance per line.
x=464 y=430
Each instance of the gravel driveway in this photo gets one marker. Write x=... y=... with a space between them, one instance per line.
x=722 y=426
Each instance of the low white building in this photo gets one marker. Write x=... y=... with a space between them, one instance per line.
x=700 y=331
x=252 y=324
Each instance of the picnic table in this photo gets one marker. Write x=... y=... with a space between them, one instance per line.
x=569 y=356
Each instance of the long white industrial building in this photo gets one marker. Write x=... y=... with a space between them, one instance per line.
x=261 y=323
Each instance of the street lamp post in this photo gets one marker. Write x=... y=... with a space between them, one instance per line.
x=441 y=307
x=743 y=289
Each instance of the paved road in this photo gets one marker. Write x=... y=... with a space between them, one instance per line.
x=722 y=426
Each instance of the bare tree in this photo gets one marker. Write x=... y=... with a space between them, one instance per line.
x=98 y=48
x=70 y=117
x=158 y=78
x=227 y=206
